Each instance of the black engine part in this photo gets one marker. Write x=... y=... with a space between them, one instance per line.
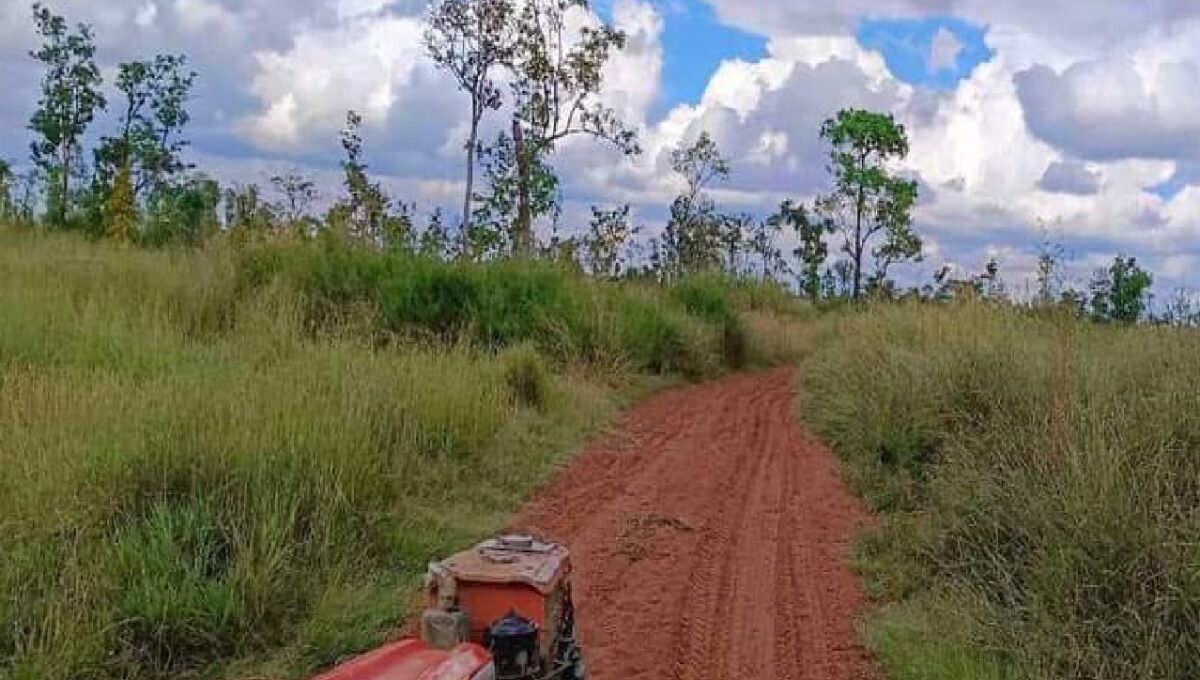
x=513 y=643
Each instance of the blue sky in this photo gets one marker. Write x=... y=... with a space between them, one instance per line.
x=907 y=46
x=694 y=45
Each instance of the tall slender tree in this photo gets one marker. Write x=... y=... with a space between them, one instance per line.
x=70 y=98
x=555 y=84
x=694 y=238
x=470 y=39
x=367 y=211
x=871 y=206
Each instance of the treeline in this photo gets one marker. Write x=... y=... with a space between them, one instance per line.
x=508 y=59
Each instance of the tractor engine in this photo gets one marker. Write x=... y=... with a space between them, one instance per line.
x=500 y=611
x=512 y=596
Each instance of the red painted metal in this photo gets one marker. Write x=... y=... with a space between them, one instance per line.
x=413 y=660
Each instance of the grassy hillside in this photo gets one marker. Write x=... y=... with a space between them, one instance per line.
x=1039 y=481
x=236 y=463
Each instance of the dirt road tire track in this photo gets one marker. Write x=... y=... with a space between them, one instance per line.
x=709 y=535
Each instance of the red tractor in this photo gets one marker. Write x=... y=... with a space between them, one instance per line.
x=500 y=611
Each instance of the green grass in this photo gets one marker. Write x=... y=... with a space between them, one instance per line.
x=1037 y=479
x=236 y=463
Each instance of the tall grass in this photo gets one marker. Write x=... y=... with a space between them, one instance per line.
x=231 y=464
x=567 y=317
x=1039 y=481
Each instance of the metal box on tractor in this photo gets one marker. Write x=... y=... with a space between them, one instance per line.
x=500 y=611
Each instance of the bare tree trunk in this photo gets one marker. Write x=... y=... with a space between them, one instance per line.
x=466 y=213
x=523 y=228
x=859 y=246
x=858 y=254
x=66 y=187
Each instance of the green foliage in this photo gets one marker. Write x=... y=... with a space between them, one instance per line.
x=515 y=183
x=711 y=298
x=1119 y=295
x=184 y=214
x=71 y=95
x=610 y=231
x=869 y=204
x=556 y=77
x=692 y=240
x=510 y=302
x=812 y=250
x=368 y=214
x=154 y=115
x=1036 y=476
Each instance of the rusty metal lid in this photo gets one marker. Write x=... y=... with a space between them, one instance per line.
x=512 y=559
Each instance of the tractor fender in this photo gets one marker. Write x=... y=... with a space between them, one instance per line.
x=414 y=660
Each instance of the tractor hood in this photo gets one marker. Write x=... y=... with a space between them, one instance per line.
x=413 y=660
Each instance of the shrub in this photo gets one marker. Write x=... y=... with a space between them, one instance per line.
x=525 y=376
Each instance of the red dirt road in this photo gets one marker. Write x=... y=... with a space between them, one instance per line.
x=708 y=535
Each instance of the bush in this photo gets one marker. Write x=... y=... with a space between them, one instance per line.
x=512 y=302
x=525 y=376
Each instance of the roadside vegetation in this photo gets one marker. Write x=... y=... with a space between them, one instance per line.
x=1035 y=477
x=236 y=463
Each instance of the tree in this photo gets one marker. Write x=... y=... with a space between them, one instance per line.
x=763 y=237
x=247 y=216
x=186 y=215
x=983 y=286
x=1051 y=256
x=693 y=239
x=492 y=229
x=868 y=203
x=435 y=240
x=812 y=250
x=610 y=231
x=733 y=240
x=69 y=101
x=1119 y=294
x=470 y=39
x=154 y=116
x=555 y=86
x=1181 y=310
x=7 y=185
x=368 y=213
x=297 y=193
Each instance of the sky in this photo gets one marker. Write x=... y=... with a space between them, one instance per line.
x=1072 y=121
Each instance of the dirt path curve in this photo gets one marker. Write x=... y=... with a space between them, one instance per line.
x=709 y=535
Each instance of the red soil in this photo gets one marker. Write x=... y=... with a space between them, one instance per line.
x=708 y=535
